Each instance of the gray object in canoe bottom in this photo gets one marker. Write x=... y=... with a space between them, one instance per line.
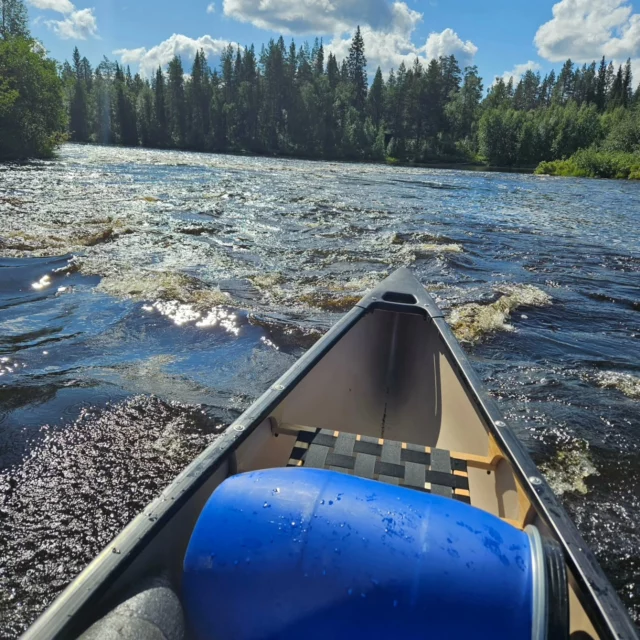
x=152 y=612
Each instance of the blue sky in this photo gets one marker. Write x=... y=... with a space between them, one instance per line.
x=502 y=37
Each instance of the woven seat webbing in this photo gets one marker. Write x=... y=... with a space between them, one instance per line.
x=404 y=464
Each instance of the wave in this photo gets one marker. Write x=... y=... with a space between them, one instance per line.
x=176 y=288
x=569 y=469
x=328 y=301
x=22 y=243
x=432 y=247
x=623 y=382
x=472 y=322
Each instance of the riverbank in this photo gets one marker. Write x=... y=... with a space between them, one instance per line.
x=462 y=164
x=590 y=163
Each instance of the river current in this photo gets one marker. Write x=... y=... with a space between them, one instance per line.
x=147 y=297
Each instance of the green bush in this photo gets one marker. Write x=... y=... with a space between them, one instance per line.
x=594 y=163
x=31 y=110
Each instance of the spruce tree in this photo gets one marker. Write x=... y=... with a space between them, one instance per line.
x=375 y=99
x=318 y=58
x=160 y=126
x=78 y=108
x=176 y=104
x=357 y=71
x=601 y=86
x=610 y=77
x=333 y=72
x=627 y=88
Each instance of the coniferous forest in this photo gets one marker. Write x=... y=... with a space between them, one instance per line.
x=299 y=100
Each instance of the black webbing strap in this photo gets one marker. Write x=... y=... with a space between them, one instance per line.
x=404 y=464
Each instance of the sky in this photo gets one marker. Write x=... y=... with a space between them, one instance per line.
x=502 y=37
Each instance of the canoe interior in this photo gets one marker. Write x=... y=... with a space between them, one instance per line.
x=389 y=372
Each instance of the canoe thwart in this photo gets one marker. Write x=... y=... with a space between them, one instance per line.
x=408 y=465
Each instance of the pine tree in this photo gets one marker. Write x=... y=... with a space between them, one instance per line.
x=78 y=110
x=125 y=114
x=464 y=108
x=333 y=72
x=451 y=76
x=86 y=73
x=565 y=85
x=318 y=58
x=616 y=95
x=102 y=96
x=144 y=116
x=601 y=87
x=357 y=71
x=160 y=132
x=433 y=100
x=497 y=96
x=610 y=77
x=176 y=105
x=375 y=99
x=627 y=88
x=543 y=95
x=197 y=100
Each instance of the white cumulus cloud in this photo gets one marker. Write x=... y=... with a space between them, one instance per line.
x=78 y=25
x=310 y=16
x=584 y=30
x=519 y=70
x=211 y=7
x=60 y=6
x=387 y=27
x=389 y=47
x=449 y=43
x=130 y=56
x=160 y=55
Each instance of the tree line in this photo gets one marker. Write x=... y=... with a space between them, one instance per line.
x=299 y=100
x=296 y=100
x=290 y=100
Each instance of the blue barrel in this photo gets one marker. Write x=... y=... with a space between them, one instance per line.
x=309 y=553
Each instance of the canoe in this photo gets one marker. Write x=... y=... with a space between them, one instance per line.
x=374 y=490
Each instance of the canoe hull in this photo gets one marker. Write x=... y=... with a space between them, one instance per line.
x=389 y=370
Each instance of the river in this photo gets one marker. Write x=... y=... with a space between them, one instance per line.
x=147 y=297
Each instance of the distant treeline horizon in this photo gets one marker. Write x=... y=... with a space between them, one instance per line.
x=294 y=100
x=297 y=101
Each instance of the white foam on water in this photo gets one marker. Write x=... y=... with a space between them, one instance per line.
x=624 y=382
x=432 y=247
x=568 y=470
x=472 y=322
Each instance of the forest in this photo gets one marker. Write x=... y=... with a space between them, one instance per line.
x=299 y=100
x=294 y=100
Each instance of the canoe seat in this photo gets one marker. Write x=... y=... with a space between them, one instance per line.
x=401 y=463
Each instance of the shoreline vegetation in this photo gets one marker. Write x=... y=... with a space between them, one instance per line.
x=298 y=101
x=594 y=163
